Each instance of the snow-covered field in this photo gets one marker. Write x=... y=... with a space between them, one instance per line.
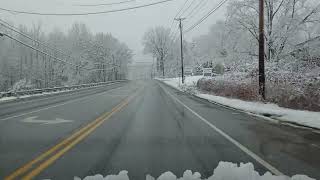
x=305 y=118
x=224 y=171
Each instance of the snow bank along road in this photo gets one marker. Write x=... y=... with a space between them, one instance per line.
x=144 y=128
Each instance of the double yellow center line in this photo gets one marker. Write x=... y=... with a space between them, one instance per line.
x=40 y=163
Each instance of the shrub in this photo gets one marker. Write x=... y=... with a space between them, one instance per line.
x=286 y=90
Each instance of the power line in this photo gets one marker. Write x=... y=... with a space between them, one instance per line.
x=196 y=10
x=105 y=4
x=172 y=22
x=181 y=9
x=14 y=29
x=44 y=44
x=42 y=52
x=185 y=10
x=206 y=16
x=84 y=13
x=197 y=7
x=8 y=26
x=179 y=14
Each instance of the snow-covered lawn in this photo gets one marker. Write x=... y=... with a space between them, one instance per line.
x=305 y=118
x=224 y=171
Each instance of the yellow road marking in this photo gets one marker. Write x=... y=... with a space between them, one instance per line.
x=67 y=142
x=56 y=156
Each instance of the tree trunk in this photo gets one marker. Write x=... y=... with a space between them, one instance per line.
x=162 y=66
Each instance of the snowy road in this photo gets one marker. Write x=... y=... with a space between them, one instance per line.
x=145 y=128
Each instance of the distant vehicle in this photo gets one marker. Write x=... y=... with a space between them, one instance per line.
x=197 y=71
x=214 y=74
x=207 y=72
x=188 y=71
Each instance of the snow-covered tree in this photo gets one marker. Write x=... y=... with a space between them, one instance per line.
x=157 y=41
x=84 y=57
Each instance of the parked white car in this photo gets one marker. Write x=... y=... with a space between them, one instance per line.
x=188 y=71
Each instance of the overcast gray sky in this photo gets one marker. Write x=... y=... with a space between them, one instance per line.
x=128 y=26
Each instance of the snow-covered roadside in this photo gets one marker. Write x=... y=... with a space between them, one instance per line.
x=176 y=82
x=305 y=118
x=12 y=98
x=4 y=99
x=225 y=170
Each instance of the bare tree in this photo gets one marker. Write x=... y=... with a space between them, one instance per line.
x=157 y=42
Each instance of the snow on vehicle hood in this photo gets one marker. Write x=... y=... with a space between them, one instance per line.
x=224 y=171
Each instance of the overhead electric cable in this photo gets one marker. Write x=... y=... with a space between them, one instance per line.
x=14 y=29
x=185 y=10
x=199 y=8
x=182 y=7
x=84 y=13
x=105 y=4
x=195 y=8
x=42 y=52
x=179 y=11
x=206 y=16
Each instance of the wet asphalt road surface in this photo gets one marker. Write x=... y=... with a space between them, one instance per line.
x=144 y=129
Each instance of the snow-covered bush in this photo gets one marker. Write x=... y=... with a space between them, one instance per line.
x=285 y=88
x=230 y=85
x=190 y=89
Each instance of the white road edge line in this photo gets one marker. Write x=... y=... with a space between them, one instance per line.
x=49 y=107
x=233 y=141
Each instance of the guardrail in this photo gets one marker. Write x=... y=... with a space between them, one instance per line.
x=54 y=89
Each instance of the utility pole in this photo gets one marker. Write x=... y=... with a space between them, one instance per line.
x=181 y=46
x=262 y=84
